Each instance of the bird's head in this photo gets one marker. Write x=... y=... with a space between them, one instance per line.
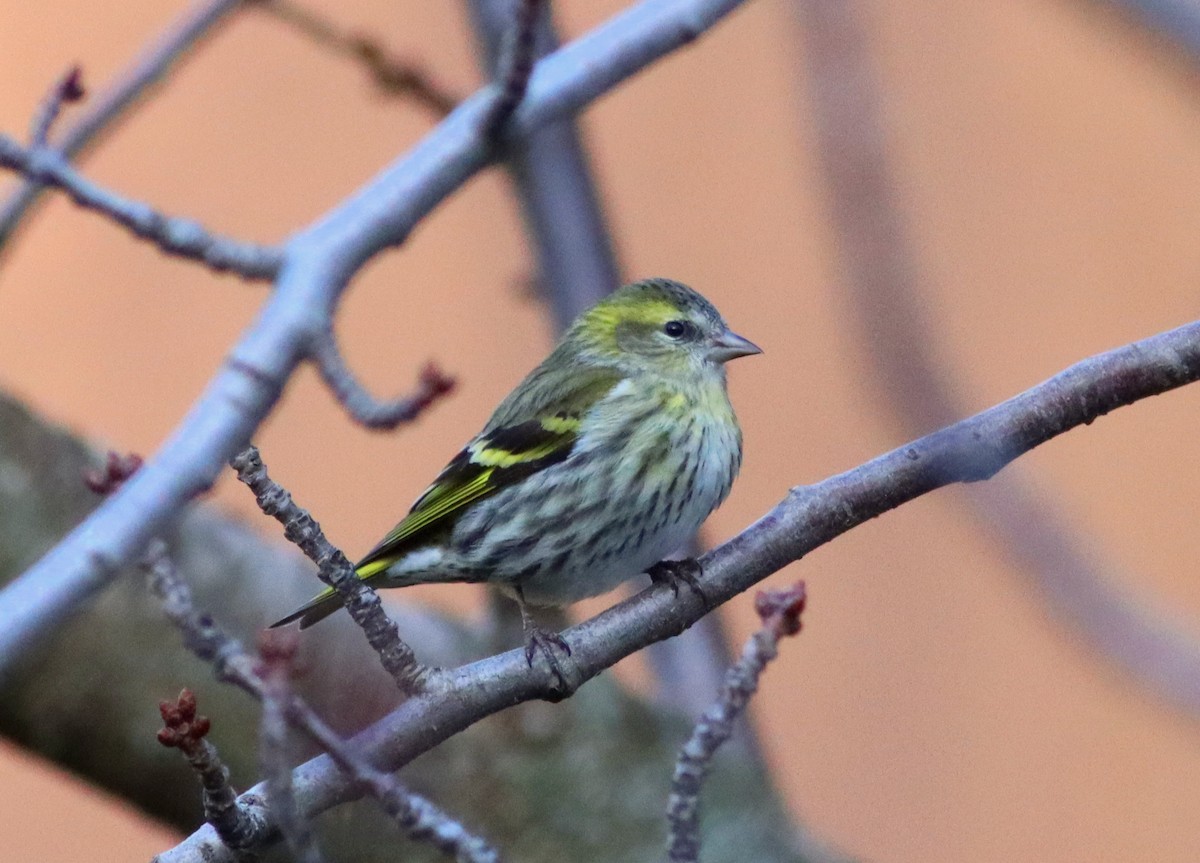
x=657 y=325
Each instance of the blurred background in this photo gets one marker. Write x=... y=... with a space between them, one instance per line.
x=1044 y=157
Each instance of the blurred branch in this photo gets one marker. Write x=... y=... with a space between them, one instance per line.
x=515 y=64
x=882 y=279
x=394 y=76
x=135 y=82
x=319 y=261
x=175 y=236
x=432 y=384
x=420 y=819
x=256 y=819
x=67 y=89
x=552 y=176
x=1177 y=20
x=971 y=450
x=780 y=612
x=277 y=650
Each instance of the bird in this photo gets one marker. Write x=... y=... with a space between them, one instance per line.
x=606 y=458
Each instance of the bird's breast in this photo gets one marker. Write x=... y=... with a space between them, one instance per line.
x=645 y=473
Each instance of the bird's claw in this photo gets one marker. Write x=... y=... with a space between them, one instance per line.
x=548 y=644
x=676 y=572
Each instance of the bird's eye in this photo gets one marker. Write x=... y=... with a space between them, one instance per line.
x=676 y=329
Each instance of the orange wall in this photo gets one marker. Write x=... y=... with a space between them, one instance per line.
x=1049 y=160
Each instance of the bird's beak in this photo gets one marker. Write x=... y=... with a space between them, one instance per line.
x=729 y=346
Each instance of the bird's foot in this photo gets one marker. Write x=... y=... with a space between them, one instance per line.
x=677 y=572
x=552 y=647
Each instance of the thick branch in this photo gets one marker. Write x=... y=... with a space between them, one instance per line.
x=884 y=286
x=320 y=260
x=1177 y=20
x=810 y=516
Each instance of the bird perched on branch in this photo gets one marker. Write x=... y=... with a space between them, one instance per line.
x=607 y=457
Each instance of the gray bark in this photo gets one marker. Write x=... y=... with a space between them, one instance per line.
x=583 y=780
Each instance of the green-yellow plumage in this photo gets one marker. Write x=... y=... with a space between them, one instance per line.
x=607 y=457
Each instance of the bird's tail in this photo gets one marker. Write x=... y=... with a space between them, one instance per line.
x=315 y=610
x=328 y=601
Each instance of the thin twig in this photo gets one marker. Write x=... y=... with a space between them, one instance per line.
x=201 y=635
x=277 y=655
x=67 y=89
x=114 y=103
x=335 y=570
x=808 y=517
x=780 y=612
x=432 y=384
x=175 y=236
x=394 y=76
x=117 y=469
x=420 y=818
x=183 y=729
x=514 y=68
x=885 y=288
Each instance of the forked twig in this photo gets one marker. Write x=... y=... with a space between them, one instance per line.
x=780 y=612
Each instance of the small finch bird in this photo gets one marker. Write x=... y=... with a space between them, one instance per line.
x=607 y=457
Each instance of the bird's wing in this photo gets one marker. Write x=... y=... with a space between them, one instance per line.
x=514 y=445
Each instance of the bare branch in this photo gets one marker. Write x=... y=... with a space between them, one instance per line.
x=334 y=570
x=780 y=612
x=185 y=730
x=1177 y=20
x=175 y=236
x=67 y=89
x=319 y=262
x=515 y=67
x=561 y=208
x=420 y=819
x=432 y=385
x=111 y=105
x=277 y=655
x=394 y=76
x=971 y=450
x=884 y=286
x=117 y=469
